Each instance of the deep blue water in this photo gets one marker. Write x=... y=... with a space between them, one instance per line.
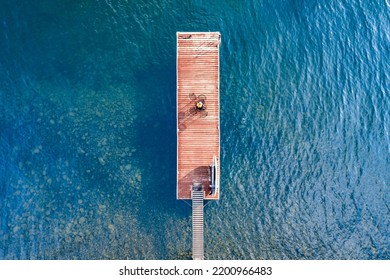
x=88 y=130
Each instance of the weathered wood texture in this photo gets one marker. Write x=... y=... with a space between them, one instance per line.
x=198 y=135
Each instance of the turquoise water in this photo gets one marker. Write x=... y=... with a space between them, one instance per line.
x=88 y=130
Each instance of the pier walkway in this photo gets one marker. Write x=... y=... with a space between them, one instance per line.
x=197 y=223
x=198 y=135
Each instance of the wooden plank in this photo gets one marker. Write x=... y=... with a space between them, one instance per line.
x=198 y=136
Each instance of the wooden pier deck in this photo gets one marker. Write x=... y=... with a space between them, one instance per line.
x=198 y=136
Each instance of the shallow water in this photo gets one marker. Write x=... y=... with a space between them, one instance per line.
x=88 y=132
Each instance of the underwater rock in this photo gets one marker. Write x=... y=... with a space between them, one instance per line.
x=138 y=176
x=101 y=160
x=15 y=229
x=36 y=150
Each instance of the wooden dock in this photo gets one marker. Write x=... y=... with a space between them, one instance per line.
x=198 y=135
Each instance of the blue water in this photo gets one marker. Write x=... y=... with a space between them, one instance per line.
x=88 y=130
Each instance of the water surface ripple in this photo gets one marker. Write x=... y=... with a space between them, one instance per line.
x=88 y=130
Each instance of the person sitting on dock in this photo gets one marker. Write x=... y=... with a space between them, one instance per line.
x=200 y=105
